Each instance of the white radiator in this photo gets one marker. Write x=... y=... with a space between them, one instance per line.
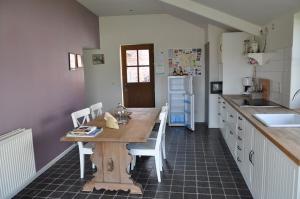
x=17 y=164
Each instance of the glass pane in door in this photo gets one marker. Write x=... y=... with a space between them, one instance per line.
x=132 y=75
x=143 y=57
x=131 y=57
x=144 y=74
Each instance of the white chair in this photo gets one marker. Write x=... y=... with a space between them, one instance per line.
x=152 y=147
x=96 y=110
x=163 y=142
x=84 y=149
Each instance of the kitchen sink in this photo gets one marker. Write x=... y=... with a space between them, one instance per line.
x=279 y=120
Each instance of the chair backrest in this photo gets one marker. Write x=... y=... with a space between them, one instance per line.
x=96 y=110
x=80 y=117
x=162 y=126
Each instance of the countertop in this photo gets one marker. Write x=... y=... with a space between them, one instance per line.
x=286 y=139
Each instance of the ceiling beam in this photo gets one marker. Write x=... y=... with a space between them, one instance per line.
x=215 y=15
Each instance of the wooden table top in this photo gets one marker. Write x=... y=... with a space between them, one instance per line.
x=138 y=129
x=286 y=139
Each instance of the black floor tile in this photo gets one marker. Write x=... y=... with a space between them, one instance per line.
x=199 y=165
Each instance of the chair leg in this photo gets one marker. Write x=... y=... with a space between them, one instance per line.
x=161 y=161
x=133 y=162
x=164 y=148
x=157 y=164
x=81 y=157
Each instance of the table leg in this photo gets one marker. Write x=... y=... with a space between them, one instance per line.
x=112 y=160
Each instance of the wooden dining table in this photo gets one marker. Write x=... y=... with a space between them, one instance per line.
x=111 y=155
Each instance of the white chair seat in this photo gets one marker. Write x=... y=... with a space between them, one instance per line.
x=149 y=145
x=89 y=145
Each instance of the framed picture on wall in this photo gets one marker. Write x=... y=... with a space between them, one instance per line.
x=98 y=59
x=72 y=61
x=79 y=61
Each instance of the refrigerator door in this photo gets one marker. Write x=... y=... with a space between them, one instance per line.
x=176 y=109
x=188 y=85
x=189 y=112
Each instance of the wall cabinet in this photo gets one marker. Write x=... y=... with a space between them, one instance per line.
x=268 y=172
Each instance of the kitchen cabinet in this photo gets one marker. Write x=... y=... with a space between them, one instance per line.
x=248 y=143
x=267 y=171
x=281 y=174
x=240 y=148
x=256 y=158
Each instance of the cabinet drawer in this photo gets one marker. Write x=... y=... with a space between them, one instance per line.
x=240 y=122
x=231 y=117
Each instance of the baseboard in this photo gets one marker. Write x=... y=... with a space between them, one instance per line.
x=52 y=162
x=42 y=170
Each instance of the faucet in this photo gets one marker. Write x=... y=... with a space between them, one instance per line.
x=295 y=95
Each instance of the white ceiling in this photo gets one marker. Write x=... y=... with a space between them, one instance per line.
x=123 y=7
x=256 y=11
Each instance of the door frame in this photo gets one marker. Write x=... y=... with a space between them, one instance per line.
x=123 y=49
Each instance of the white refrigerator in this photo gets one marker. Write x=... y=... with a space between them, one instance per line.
x=181 y=101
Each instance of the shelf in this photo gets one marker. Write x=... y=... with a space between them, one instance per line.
x=261 y=58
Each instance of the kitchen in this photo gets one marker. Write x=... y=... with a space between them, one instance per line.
x=217 y=81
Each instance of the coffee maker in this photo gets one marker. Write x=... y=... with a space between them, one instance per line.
x=247 y=85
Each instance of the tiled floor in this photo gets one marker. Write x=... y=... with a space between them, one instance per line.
x=199 y=165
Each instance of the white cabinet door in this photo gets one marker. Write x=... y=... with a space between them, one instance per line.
x=281 y=174
x=248 y=142
x=257 y=159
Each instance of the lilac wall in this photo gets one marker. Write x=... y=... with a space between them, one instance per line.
x=36 y=88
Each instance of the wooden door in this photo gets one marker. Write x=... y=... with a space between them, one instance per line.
x=138 y=75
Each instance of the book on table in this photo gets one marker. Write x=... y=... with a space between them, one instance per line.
x=85 y=131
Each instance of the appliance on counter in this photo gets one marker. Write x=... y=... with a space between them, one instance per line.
x=254 y=103
x=181 y=101
x=247 y=84
x=216 y=87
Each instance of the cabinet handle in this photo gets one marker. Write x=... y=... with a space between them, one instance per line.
x=223 y=102
x=219 y=114
x=223 y=121
x=240 y=129
x=238 y=159
x=239 y=148
x=231 y=116
x=219 y=102
x=223 y=107
x=231 y=132
x=240 y=118
x=239 y=138
x=251 y=157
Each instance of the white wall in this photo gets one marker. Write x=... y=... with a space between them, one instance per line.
x=103 y=82
x=278 y=70
x=295 y=67
x=214 y=34
x=235 y=65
